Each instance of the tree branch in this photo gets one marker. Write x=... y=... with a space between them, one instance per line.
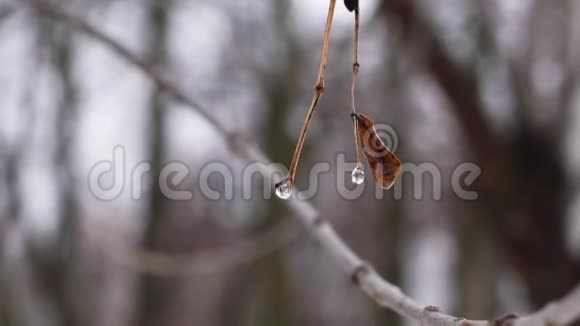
x=562 y=312
x=163 y=264
x=363 y=275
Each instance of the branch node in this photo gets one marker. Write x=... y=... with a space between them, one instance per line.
x=237 y=142
x=432 y=308
x=319 y=88
x=362 y=270
x=506 y=320
x=319 y=221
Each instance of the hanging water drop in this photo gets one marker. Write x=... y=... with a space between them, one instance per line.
x=358 y=175
x=284 y=190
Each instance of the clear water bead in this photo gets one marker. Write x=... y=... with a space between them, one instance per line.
x=284 y=191
x=358 y=175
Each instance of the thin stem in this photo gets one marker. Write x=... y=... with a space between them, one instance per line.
x=355 y=68
x=318 y=91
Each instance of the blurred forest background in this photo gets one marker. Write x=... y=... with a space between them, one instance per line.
x=494 y=82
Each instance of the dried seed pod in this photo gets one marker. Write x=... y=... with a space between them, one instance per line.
x=385 y=165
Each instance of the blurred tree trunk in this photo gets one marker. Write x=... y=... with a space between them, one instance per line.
x=9 y=303
x=71 y=303
x=389 y=260
x=152 y=291
x=476 y=270
x=264 y=295
x=390 y=214
x=55 y=265
x=10 y=215
x=24 y=301
x=522 y=184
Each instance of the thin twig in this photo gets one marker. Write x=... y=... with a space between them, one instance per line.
x=562 y=312
x=355 y=69
x=382 y=292
x=318 y=91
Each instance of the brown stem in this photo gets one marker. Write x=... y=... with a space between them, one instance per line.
x=355 y=68
x=318 y=91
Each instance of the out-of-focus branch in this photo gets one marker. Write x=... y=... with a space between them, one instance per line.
x=562 y=312
x=5 y=12
x=363 y=275
x=152 y=71
x=209 y=262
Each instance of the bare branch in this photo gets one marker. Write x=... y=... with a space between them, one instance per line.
x=318 y=91
x=208 y=262
x=355 y=69
x=562 y=312
x=382 y=292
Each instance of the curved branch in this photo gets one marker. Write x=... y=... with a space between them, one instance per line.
x=381 y=291
x=562 y=312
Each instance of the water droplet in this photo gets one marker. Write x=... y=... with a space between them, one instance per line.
x=284 y=191
x=358 y=175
